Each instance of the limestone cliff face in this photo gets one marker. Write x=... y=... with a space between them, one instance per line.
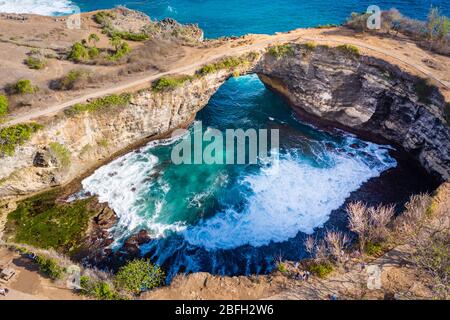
x=367 y=95
x=91 y=137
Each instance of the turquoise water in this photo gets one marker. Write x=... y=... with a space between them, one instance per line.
x=236 y=218
x=237 y=17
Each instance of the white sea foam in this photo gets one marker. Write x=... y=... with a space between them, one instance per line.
x=43 y=7
x=121 y=184
x=291 y=198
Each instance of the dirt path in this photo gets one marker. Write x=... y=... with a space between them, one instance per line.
x=399 y=51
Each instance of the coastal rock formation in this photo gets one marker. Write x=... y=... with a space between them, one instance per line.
x=89 y=138
x=366 y=95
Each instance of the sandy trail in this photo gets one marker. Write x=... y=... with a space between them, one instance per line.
x=400 y=52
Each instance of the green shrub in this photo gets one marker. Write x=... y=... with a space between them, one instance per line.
x=16 y=135
x=35 y=63
x=349 y=49
x=93 y=52
x=61 y=153
x=138 y=276
x=321 y=269
x=23 y=86
x=78 y=53
x=121 y=49
x=281 y=51
x=50 y=267
x=73 y=79
x=424 y=89
x=169 y=83
x=42 y=221
x=373 y=249
x=4 y=105
x=226 y=64
x=281 y=267
x=100 y=290
x=111 y=101
x=104 y=17
x=130 y=35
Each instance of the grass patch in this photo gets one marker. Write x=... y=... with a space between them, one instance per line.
x=104 y=17
x=61 y=153
x=35 y=63
x=320 y=269
x=108 y=102
x=373 y=249
x=42 y=222
x=169 y=83
x=4 y=106
x=423 y=89
x=282 y=267
x=16 y=135
x=281 y=51
x=349 y=49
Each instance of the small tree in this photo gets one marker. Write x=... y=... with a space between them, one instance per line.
x=138 y=276
x=78 y=52
x=23 y=86
x=115 y=42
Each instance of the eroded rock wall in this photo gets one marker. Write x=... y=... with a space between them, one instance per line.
x=367 y=95
x=92 y=137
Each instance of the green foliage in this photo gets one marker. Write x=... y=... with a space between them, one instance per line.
x=61 y=153
x=169 y=83
x=423 y=89
x=35 y=63
x=228 y=63
x=349 y=49
x=132 y=36
x=121 y=49
x=104 y=17
x=321 y=269
x=326 y=26
x=78 y=53
x=23 y=86
x=93 y=38
x=72 y=78
x=138 y=276
x=42 y=221
x=100 y=290
x=4 y=105
x=358 y=21
x=281 y=51
x=93 y=52
x=373 y=248
x=50 y=267
x=16 y=135
x=438 y=26
x=108 y=102
x=281 y=267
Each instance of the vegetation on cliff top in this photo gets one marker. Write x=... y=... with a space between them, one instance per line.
x=4 y=105
x=170 y=83
x=44 y=222
x=281 y=51
x=106 y=103
x=138 y=276
x=16 y=135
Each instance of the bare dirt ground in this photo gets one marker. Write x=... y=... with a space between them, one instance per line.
x=29 y=283
x=50 y=33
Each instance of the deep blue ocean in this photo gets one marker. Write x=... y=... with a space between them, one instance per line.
x=237 y=17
